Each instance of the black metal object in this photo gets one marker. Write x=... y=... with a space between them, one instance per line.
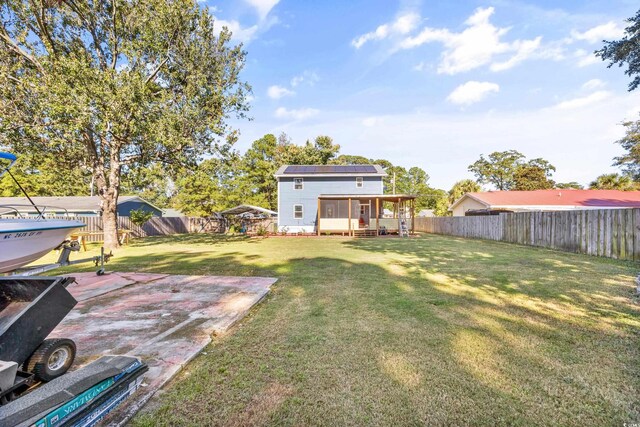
x=30 y=308
x=40 y=215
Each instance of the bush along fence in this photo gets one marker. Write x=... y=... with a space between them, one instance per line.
x=612 y=233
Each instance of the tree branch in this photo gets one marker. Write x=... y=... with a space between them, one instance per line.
x=40 y=19
x=114 y=52
x=156 y=71
x=4 y=36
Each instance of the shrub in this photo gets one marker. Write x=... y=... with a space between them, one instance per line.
x=140 y=216
x=262 y=230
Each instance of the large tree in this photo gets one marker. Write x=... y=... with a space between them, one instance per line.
x=501 y=168
x=498 y=168
x=531 y=177
x=210 y=187
x=117 y=85
x=625 y=51
x=259 y=165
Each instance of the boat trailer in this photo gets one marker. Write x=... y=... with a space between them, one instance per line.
x=66 y=248
x=33 y=390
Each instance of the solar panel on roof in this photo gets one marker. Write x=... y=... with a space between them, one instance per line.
x=319 y=169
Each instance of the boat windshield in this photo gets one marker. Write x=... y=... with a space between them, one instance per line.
x=6 y=161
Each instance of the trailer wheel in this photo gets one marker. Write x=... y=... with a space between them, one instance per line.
x=52 y=358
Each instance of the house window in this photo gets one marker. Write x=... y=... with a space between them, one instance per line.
x=359 y=182
x=297 y=211
x=298 y=183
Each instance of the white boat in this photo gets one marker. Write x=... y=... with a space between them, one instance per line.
x=24 y=240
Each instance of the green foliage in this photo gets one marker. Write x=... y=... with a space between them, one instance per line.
x=46 y=175
x=625 y=51
x=347 y=159
x=501 y=168
x=117 y=86
x=613 y=181
x=498 y=169
x=435 y=199
x=630 y=161
x=569 y=185
x=211 y=187
x=140 y=216
x=262 y=231
x=461 y=188
x=152 y=183
x=528 y=178
x=321 y=152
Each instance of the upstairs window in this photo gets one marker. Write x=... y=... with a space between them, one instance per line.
x=359 y=183
x=298 y=184
x=297 y=212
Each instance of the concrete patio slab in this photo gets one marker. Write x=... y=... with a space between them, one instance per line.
x=165 y=320
x=90 y=285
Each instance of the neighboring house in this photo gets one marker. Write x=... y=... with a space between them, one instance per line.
x=75 y=205
x=172 y=213
x=426 y=213
x=338 y=199
x=544 y=200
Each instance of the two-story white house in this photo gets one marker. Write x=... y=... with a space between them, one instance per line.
x=339 y=199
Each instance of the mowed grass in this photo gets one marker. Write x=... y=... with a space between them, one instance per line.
x=429 y=330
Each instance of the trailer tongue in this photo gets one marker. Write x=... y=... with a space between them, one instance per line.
x=30 y=308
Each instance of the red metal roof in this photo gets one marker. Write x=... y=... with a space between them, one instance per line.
x=590 y=198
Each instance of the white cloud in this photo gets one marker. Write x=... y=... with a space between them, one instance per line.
x=524 y=49
x=472 y=92
x=239 y=33
x=245 y=34
x=445 y=144
x=585 y=58
x=369 y=121
x=308 y=77
x=299 y=114
x=608 y=31
x=277 y=92
x=583 y=101
x=593 y=84
x=263 y=7
x=403 y=24
x=475 y=46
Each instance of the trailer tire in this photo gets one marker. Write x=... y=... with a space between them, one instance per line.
x=52 y=358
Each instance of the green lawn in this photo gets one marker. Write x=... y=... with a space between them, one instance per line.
x=431 y=330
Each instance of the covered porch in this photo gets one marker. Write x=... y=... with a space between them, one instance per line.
x=360 y=214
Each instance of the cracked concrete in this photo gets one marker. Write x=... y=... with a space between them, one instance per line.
x=165 y=320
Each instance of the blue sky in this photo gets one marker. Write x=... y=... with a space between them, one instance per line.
x=435 y=84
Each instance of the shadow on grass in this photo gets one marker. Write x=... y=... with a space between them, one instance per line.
x=441 y=331
x=192 y=239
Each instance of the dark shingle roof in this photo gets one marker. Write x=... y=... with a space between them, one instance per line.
x=329 y=169
x=297 y=170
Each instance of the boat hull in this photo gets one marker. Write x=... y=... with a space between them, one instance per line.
x=24 y=241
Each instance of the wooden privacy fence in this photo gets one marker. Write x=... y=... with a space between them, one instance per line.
x=612 y=233
x=156 y=226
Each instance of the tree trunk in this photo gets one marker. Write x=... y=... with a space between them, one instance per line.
x=110 y=220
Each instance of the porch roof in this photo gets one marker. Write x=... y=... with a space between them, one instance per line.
x=383 y=197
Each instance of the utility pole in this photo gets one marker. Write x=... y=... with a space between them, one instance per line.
x=394 y=183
